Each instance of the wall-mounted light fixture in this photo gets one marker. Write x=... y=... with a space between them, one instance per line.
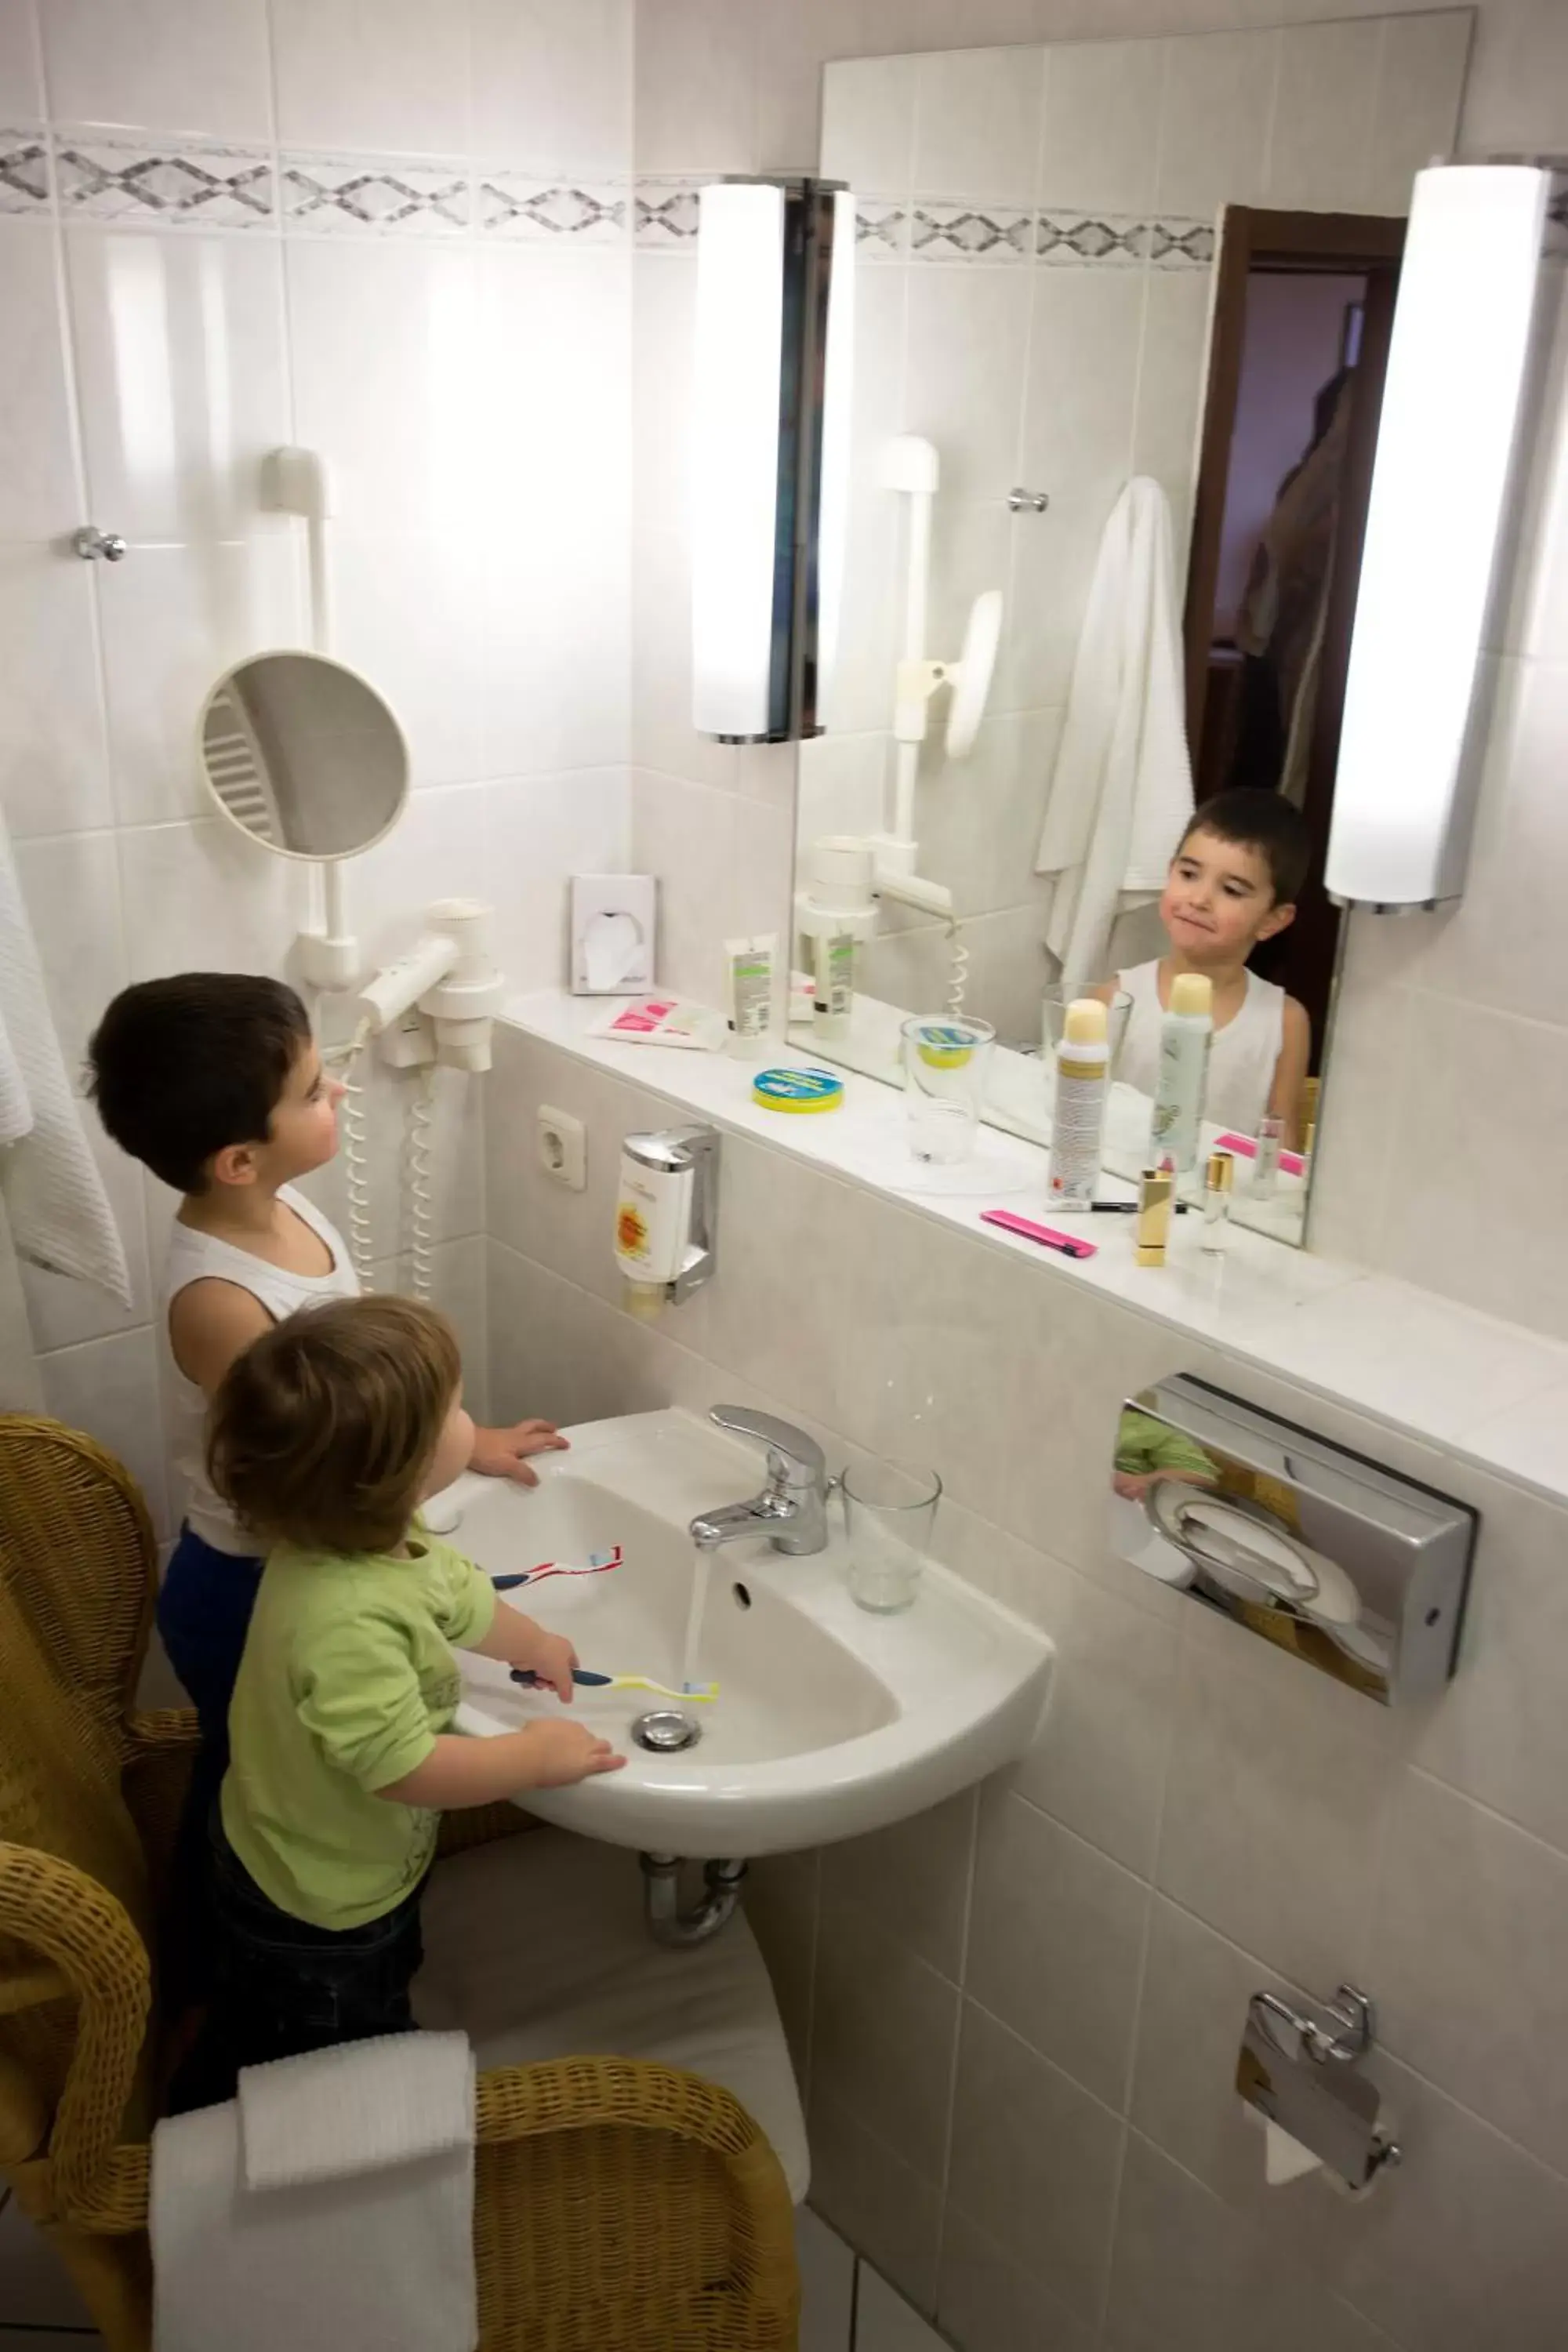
x=1404 y=790
x=771 y=453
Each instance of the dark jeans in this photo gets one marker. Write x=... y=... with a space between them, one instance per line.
x=282 y=1987
x=204 y=1614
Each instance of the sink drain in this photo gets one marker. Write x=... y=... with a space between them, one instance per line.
x=665 y=1731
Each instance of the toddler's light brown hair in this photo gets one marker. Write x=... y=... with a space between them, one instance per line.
x=322 y=1433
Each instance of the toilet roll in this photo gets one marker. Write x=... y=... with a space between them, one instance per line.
x=1284 y=2158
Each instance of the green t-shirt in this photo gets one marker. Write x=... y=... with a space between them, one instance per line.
x=347 y=1678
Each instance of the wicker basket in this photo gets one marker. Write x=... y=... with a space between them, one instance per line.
x=620 y=2205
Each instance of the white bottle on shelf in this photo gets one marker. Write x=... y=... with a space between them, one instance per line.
x=1078 y=1120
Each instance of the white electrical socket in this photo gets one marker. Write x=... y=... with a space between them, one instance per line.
x=564 y=1147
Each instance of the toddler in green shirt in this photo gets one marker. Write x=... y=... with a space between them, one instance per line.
x=326 y=1435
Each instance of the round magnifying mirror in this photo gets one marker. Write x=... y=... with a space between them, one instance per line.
x=303 y=755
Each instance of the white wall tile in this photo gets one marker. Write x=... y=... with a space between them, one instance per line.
x=684 y=835
x=1099 y=1764
x=977 y=125
x=1082 y=377
x=110 y=1387
x=182 y=376
x=1513 y=100
x=459 y=1288
x=1320 y=150
x=664 y=323
x=1172 y=369
x=400 y=435
x=397 y=80
x=1417 y=120
x=696 y=89
x=914 y=1879
x=569 y=1231
x=174 y=65
x=968 y=334
x=71 y=887
x=1101 y=125
x=1191 y=2274
x=1470 y=2247
x=21 y=89
x=40 y=492
x=54 y=776
x=1056 y=1943
x=884 y=2321
x=1274 y=1813
x=1471 y=1919
x=553 y=82
x=406 y=613
x=1518 y=1275
x=1215 y=122
x=172 y=619
x=891 y=2059
x=202 y=898
x=1035 y=2159
x=884 y=2208
x=987 y=2303
x=540 y=831
x=868 y=125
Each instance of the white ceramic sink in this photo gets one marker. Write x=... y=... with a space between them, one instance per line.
x=829 y=1721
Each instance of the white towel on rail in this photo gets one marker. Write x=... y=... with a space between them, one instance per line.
x=330 y=2205
x=1122 y=785
x=52 y=1194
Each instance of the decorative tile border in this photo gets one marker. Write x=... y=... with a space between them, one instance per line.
x=163 y=186
x=363 y=195
x=23 y=171
x=524 y=211
x=664 y=218
x=994 y=233
x=1079 y=240
x=882 y=229
x=1181 y=245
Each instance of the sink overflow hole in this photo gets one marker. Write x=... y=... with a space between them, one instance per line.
x=742 y=1598
x=665 y=1731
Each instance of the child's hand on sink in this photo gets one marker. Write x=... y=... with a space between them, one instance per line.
x=557 y=1754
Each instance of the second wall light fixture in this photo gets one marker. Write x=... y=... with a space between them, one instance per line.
x=775 y=323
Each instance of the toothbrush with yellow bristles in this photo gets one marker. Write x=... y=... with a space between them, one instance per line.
x=699 y=1692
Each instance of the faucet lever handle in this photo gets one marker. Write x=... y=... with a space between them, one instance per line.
x=793 y=1457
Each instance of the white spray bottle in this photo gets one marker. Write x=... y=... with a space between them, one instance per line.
x=1077 y=1121
x=1186 y=1034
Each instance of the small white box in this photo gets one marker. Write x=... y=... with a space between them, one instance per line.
x=613 y=933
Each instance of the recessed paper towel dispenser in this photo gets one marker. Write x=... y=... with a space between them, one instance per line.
x=1351 y=1569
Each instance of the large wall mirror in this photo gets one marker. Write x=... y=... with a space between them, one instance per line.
x=1136 y=297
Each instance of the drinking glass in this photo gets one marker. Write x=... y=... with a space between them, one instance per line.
x=945 y=1063
x=889 y=1515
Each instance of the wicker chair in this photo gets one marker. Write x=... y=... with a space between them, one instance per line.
x=619 y=2205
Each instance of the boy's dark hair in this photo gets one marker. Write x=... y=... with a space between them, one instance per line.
x=180 y=1068
x=1265 y=821
x=321 y=1432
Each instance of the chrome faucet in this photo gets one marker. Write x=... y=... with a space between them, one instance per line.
x=792 y=1510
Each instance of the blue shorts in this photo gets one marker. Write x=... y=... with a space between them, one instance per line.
x=204 y=1616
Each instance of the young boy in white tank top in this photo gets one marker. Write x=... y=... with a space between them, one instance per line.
x=1234 y=882
x=213 y=1081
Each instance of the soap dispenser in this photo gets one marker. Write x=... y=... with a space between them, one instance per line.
x=666 y=1213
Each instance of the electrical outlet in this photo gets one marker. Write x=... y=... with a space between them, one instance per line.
x=564 y=1147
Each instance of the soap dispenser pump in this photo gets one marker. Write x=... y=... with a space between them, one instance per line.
x=665 y=1214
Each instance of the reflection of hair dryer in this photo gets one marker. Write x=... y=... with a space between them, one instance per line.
x=449 y=975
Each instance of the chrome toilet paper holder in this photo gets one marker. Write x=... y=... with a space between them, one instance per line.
x=1300 y=2068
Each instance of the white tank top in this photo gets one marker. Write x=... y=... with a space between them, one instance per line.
x=198 y=1257
x=1242 y=1060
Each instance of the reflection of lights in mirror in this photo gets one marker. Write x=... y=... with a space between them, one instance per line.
x=1201 y=410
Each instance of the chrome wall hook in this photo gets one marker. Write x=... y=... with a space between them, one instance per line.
x=91 y=543
x=1020 y=502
